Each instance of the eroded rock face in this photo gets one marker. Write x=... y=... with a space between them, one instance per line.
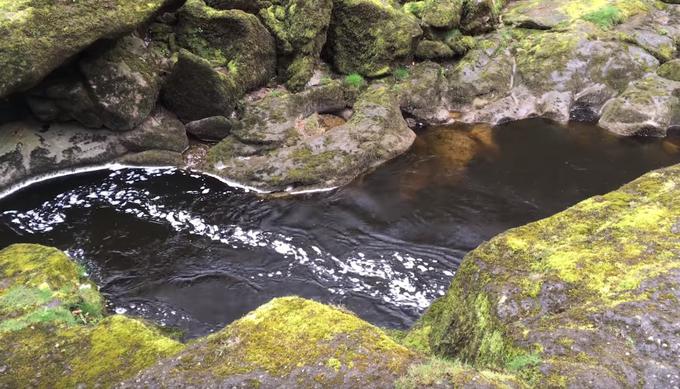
x=40 y=36
x=264 y=349
x=29 y=149
x=51 y=322
x=587 y=297
x=276 y=149
x=368 y=36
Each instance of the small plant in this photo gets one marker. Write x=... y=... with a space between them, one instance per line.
x=401 y=73
x=523 y=361
x=355 y=80
x=605 y=17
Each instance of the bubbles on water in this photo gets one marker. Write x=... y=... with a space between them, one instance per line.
x=395 y=277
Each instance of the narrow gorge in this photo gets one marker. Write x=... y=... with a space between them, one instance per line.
x=340 y=193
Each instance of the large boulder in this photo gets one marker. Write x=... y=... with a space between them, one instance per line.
x=585 y=298
x=117 y=87
x=228 y=52
x=288 y=342
x=52 y=330
x=299 y=27
x=299 y=154
x=368 y=36
x=39 y=36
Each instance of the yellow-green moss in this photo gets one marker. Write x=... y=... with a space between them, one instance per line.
x=47 y=356
x=438 y=372
x=40 y=284
x=289 y=333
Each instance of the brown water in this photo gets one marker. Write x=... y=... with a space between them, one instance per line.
x=185 y=250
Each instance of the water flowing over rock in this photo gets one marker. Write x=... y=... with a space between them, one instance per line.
x=586 y=297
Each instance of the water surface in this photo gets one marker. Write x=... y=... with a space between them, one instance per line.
x=186 y=250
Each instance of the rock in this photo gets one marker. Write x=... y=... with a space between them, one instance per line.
x=161 y=130
x=227 y=53
x=645 y=108
x=420 y=93
x=30 y=150
x=124 y=81
x=51 y=323
x=300 y=28
x=274 y=120
x=211 y=128
x=444 y=14
x=264 y=349
x=670 y=70
x=300 y=157
x=368 y=36
x=153 y=158
x=584 y=298
x=194 y=90
x=439 y=372
x=428 y=49
x=39 y=37
x=250 y=6
x=116 y=86
x=480 y=16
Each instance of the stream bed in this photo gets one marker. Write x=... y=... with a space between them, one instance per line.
x=185 y=250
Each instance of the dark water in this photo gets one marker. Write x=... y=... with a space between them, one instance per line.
x=186 y=250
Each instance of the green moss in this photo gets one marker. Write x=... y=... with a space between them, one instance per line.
x=113 y=350
x=355 y=80
x=438 y=372
x=323 y=336
x=44 y=285
x=401 y=73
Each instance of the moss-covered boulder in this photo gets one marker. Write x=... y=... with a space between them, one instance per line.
x=587 y=297
x=38 y=36
x=225 y=54
x=647 y=108
x=288 y=342
x=670 y=70
x=52 y=330
x=369 y=36
x=300 y=28
x=288 y=152
x=115 y=86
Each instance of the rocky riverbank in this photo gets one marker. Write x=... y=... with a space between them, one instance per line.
x=302 y=95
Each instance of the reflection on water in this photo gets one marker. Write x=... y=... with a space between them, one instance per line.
x=185 y=250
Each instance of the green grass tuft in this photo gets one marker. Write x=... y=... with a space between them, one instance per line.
x=401 y=73
x=355 y=80
x=605 y=17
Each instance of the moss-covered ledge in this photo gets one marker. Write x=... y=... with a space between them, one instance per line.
x=588 y=297
x=52 y=329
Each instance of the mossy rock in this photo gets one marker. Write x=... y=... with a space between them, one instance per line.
x=428 y=49
x=41 y=284
x=285 y=154
x=369 y=37
x=441 y=373
x=670 y=70
x=442 y=13
x=288 y=342
x=225 y=53
x=39 y=36
x=52 y=330
x=300 y=28
x=588 y=296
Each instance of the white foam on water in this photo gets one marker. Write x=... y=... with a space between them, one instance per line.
x=396 y=277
